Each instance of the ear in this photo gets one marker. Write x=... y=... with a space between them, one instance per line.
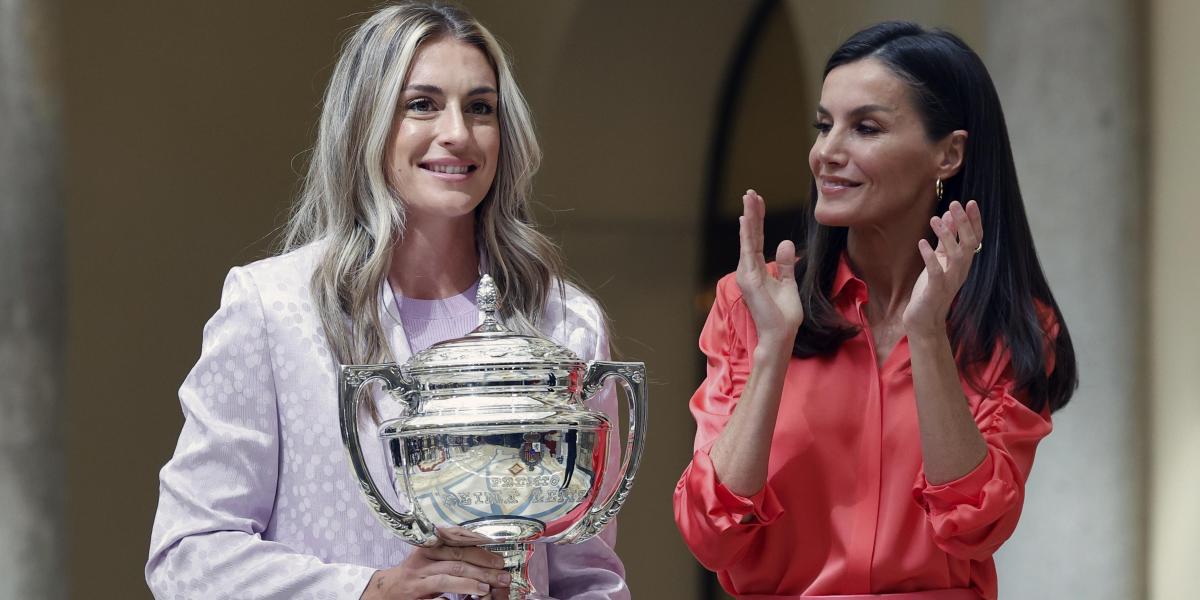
x=951 y=152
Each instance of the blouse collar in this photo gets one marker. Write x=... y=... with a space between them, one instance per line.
x=845 y=281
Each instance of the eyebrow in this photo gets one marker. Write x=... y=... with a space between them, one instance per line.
x=433 y=89
x=862 y=110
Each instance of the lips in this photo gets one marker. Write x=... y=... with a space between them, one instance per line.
x=830 y=185
x=838 y=182
x=449 y=169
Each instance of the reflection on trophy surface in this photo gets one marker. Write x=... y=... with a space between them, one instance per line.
x=495 y=439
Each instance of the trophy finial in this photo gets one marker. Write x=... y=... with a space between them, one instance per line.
x=487 y=299
x=486 y=294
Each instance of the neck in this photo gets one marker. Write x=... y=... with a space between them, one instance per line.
x=887 y=260
x=435 y=259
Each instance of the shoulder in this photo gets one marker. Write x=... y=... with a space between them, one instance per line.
x=574 y=318
x=280 y=281
x=287 y=268
x=1000 y=366
x=568 y=304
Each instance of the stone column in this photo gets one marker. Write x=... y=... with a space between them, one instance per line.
x=32 y=481
x=1066 y=72
x=1174 y=290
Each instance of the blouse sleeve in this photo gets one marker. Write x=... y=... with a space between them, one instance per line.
x=592 y=570
x=217 y=492
x=717 y=524
x=973 y=515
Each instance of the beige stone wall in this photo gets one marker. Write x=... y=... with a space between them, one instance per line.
x=1173 y=287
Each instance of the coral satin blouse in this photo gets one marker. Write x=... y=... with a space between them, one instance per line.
x=846 y=508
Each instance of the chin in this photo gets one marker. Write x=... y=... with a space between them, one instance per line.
x=444 y=207
x=831 y=215
x=456 y=202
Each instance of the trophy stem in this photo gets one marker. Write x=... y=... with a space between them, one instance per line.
x=516 y=561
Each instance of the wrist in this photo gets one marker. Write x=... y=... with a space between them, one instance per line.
x=772 y=350
x=369 y=593
x=928 y=335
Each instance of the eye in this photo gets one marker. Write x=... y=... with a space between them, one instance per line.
x=868 y=128
x=480 y=107
x=420 y=105
x=822 y=127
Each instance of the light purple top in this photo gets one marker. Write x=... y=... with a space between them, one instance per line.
x=259 y=500
x=427 y=322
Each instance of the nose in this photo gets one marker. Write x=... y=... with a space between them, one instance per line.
x=830 y=148
x=452 y=129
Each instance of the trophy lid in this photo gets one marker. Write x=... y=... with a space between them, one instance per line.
x=489 y=346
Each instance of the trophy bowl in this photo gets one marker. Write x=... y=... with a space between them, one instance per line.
x=495 y=438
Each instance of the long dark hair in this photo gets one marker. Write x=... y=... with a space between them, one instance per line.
x=1005 y=296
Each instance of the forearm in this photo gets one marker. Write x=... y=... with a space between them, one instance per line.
x=234 y=564
x=951 y=444
x=740 y=454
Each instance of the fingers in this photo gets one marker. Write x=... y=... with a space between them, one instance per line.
x=932 y=267
x=785 y=260
x=462 y=570
x=468 y=554
x=427 y=587
x=967 y=222
x=976 y=220
x=967 y=236
x=943 y=227
x=461 y=536
x=751 y=225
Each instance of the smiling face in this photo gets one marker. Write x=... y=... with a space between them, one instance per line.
x=445 y=141
x=873 y=161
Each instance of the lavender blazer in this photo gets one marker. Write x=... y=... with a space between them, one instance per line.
x=258 y=500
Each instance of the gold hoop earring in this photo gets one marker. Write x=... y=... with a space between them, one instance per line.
x=940 y=189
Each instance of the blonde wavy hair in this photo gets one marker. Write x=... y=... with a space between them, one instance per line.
x=348 y=206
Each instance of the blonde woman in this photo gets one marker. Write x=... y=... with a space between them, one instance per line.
x=418 y=183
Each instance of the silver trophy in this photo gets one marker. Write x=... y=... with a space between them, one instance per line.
x=495 y=439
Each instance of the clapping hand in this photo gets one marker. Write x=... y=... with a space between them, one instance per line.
x=960 y=237
x=773 y=299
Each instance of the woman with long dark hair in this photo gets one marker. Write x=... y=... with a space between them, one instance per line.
x=893 y=377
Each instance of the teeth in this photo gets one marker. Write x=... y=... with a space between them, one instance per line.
x=451 y=169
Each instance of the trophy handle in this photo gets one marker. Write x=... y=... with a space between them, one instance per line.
x=411 y=527
x=632 y=376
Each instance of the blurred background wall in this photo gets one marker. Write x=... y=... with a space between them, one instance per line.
x=183 y=128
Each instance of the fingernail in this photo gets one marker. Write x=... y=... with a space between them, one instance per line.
x=505 y=578
x=484 y=588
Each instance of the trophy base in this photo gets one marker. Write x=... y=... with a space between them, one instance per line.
x=516 y=557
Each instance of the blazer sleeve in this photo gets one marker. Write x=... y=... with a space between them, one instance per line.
x=973 y=515
x=717 y=524
x=592 y=570
x=217 y=493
